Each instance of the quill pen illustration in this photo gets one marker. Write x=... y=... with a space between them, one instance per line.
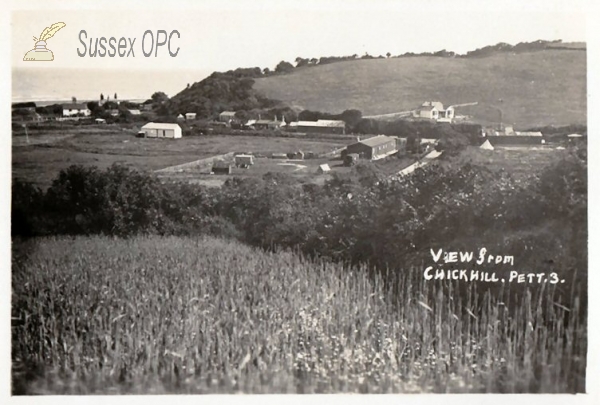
x=51 y=30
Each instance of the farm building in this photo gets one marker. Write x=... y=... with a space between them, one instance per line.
x=268 y=124
x=322 y=126
x=244 y=160
x=100 y=121
x=180 y=117
x=75 y=109
x=135 y=112
x=279 y=156
x=227 y=116
x=221 y=167
x=190 y=116
x=434 y=110
x=161 y=130
x=515 y=140
x=373 y=148
x=299 y=155
x=529 y=133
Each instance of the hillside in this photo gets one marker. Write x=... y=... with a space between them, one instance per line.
x=537 y=88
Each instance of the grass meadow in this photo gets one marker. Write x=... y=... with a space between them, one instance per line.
x=51 y=151
x=528 y=83
x=99 y=315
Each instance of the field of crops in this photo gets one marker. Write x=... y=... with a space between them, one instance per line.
x=181 y=315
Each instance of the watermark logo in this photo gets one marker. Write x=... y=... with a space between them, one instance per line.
x=40 y=52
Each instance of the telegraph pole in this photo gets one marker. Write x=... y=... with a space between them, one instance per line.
x=26 y=134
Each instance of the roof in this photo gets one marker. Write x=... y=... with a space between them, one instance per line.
x=161 y=125
x=322 y=123
x=435 y=104
x=575 y=136
x=267 y=122
x=377 y=140
x=191 y=113
x=529 y=133
x=135 y=112
x=74 y=106
x=228 y=113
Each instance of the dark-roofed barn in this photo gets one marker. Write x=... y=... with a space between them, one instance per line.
x=373 y=148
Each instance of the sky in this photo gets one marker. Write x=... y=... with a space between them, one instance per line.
x=218 y=36
x=226 y=35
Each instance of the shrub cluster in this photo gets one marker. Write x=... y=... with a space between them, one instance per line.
x=358 y=217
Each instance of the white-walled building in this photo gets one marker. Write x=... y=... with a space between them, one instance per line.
x=161 y=130
x=73 y=109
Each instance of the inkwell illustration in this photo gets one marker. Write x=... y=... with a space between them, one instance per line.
x=40 y=52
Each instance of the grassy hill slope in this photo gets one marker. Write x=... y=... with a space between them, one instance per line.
x=537 y=88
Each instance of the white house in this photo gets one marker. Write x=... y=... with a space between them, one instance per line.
x=190 y=116
x=161 y=130
x=72 y=109
x=434 y=110
x=135 y=112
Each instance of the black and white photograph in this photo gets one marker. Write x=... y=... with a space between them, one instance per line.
x=298 y=197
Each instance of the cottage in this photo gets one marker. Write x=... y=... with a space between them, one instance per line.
x=322 y=126
x=73 y=109
x=221 y=167
x=373 y=148
x=227 y=116
x=161 y=130
x=100 y=121
x=434 y=110
x=135 y=112
x=279 y=156
x=180 y=117
x=190 y=116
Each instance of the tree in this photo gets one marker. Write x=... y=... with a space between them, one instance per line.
x=115 y=96
x=301 y=61
x=101 y=97
x=266 y=71
x=94 y=107
x=388 y=54
x=284 y=67
x=74 y=99
x=159 y=97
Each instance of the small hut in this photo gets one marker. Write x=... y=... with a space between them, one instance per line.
x=487 y=145
x=221 y=167
x=324 y=168
x=350 y=159
x=299 y=155
x=244 y=161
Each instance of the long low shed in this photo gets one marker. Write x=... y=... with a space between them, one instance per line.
x=161 y=130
